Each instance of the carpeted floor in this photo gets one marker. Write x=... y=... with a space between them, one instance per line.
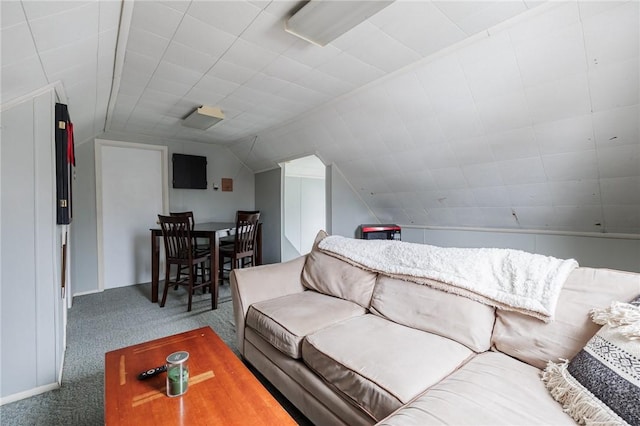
x=101 y=322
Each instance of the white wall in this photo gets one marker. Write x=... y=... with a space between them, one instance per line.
x=85 y=249
x=208 y=205
x=589 y=250
x=312 y=211
x=347 y=210
x=32 y=315
x=304 y=204
x=595 y=250
x=304 y=211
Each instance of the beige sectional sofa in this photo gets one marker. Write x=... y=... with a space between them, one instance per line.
x=350 y=346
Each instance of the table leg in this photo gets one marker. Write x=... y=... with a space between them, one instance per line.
x=215 y=268
x=155 y=267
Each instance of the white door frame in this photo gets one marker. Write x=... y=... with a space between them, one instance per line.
x=164 y=153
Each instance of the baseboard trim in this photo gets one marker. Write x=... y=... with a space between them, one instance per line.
x=28 y=393
x=83 y=293
x=64 y=353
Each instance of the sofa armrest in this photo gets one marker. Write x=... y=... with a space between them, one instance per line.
x=260 y=283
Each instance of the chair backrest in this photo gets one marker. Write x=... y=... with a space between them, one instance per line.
x=176 y=232
x=246 y=231
x=185 y=214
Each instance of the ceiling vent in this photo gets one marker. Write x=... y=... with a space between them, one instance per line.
x=320 y=22
x=203 y=117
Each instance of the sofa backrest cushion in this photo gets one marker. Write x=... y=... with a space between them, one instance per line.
x=334 y=277
x=535 y=342
x=424 y=308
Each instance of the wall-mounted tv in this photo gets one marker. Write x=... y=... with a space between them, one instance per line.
x=189 y=171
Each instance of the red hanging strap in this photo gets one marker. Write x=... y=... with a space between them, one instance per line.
x=71 y=158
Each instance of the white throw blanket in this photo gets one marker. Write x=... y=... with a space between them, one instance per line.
x=504 y=278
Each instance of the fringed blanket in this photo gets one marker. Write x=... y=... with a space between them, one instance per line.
x=508 y=279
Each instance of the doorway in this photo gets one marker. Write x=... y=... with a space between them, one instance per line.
x=303 y=205
x=131 y=190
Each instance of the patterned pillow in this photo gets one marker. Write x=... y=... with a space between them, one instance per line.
x=601 y=384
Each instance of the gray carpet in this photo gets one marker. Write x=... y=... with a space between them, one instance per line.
x=101 y=322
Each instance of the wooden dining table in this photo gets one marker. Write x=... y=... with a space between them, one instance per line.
x=213 y=232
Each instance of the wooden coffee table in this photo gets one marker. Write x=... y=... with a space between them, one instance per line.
x=222 y=391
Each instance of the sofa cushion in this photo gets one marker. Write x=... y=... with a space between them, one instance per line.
x=425 y=308
x=536 y=342
x=305 y=389
x=378 y=364
x=332 y=276
x=491 y=389
x=285 y=321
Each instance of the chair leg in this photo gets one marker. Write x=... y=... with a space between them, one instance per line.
x=213 y=288
x=203 y=271
x=213 y=285
x=221 y=270
x=190 y=288
x=167 y=282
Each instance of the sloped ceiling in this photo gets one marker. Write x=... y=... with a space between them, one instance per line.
x=516 y=114
x=71 y=42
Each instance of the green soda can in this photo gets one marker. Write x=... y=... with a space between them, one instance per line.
x=177 y=373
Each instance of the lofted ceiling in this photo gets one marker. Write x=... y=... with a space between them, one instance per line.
x=502 y=114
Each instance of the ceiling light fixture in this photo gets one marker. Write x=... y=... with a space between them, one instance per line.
x=320 y=22
x=203 y=117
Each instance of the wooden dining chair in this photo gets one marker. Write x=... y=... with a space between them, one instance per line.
x=199 y=247
x=243 y=251
x=180 y=250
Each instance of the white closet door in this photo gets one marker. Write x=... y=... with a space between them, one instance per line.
x=132 y=181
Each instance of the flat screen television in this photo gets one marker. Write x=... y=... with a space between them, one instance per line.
x=189 y=171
